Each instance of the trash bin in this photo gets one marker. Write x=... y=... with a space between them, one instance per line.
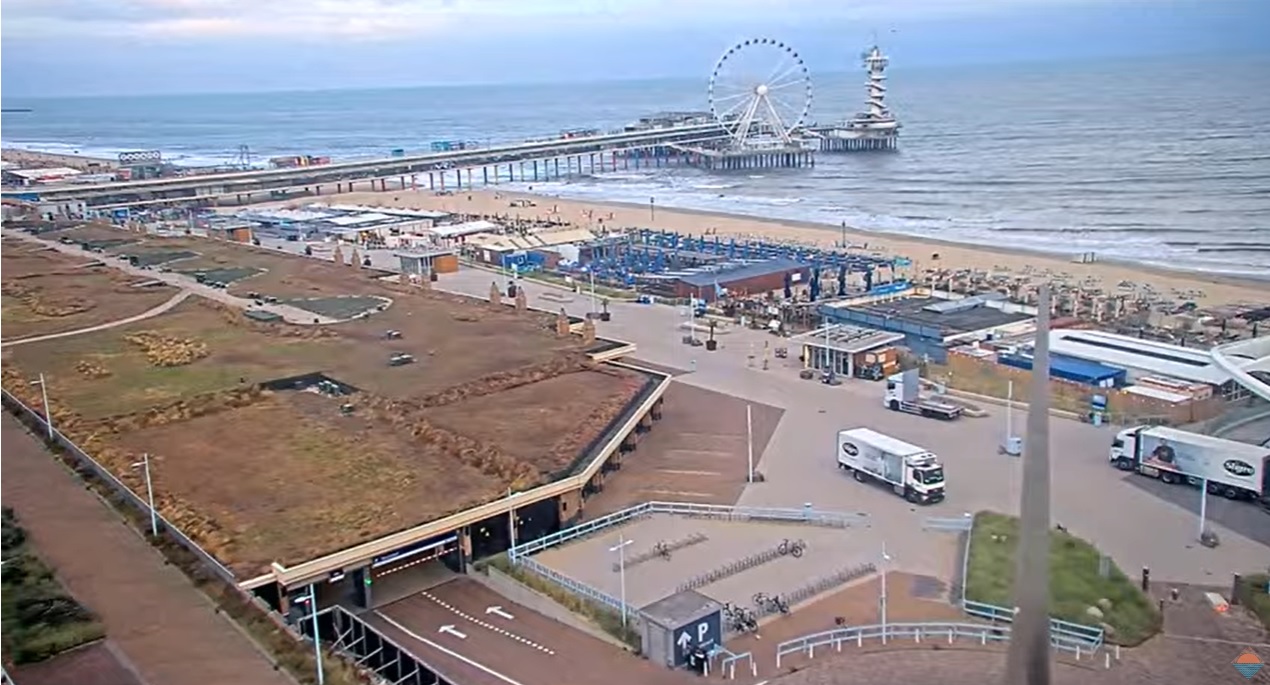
x=712 y=345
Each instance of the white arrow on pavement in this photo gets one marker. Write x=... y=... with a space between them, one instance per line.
x=450 y=629
x=684 y=640
x=498 y=611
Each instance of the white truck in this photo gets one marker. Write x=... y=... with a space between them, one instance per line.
x=1236 y=470
x=904 y=393
x=910 y=471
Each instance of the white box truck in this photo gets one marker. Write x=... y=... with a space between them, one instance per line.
x=1236 y=470
x=903 y=393
x=910 y=471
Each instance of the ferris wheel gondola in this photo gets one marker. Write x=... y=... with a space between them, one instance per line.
x=761 y=89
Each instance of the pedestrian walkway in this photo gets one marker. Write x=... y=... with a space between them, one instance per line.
x=149 y=609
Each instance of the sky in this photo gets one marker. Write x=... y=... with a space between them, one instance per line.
x=125 y=47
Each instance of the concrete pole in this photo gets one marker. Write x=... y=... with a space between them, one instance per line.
x=1028 y=658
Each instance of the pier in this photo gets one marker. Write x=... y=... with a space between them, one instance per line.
x=876 y=128
x=791 y=157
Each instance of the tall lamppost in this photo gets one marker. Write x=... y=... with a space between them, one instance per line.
x=620 y=548
x=317 y=638
x=882 y=597
x=44 y=394
x=1028 y=657
x=144 y=464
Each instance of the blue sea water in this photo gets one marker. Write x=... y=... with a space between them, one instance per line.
x=1160 y=162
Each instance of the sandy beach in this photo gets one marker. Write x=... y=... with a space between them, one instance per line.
x=45 y=160
x=924 y=253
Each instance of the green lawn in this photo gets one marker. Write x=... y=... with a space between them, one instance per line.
x=1075 y=584
x=40 y=619
x=1254 y=592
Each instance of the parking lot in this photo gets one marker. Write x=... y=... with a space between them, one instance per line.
x=828 y=551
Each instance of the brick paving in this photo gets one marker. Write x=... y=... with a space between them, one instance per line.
x=697 y=453
x=149 y=609
x=99 y=663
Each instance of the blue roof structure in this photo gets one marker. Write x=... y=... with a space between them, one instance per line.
x=1071 y=369
x=723 y=275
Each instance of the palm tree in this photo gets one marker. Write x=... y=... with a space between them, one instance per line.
x=1028 y=658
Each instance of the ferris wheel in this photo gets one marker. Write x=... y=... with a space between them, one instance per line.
x=760 y=88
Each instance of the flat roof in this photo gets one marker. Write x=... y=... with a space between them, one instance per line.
x=932 y=311
x=1127 y=352
x=468 y=228
x=50 y=172
x=357 y=219
x=730 y=272
x=846 y=338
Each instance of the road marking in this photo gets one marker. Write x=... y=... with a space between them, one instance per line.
x=690 y=473
x=450 y=652
x=451 y=630
x=498 y=611
x=487 y=625
x=683 y=493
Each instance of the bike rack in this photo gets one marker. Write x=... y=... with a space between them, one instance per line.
x=818 y=586
x=653 y=553
x=732 y=568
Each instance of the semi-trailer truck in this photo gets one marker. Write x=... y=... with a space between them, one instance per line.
x=903 y=393
x=1232 y=469
x=910 y=471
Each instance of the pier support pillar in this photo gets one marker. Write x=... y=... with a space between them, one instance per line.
x=535 y=170
x=485 y=174
x=557 y=160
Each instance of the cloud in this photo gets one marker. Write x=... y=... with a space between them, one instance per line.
x=386 y=20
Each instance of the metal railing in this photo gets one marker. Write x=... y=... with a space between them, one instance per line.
x=952 y=524
x=367 y=648
x=1065 y=632
x=117 y=486
x=728 y=662
x=808 y=645
x=662 y=550
x=576 y=587
x=804 y=516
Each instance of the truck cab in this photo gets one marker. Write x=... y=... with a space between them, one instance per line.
x=923 y=480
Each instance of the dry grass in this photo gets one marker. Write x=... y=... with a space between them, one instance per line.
x=495 y=400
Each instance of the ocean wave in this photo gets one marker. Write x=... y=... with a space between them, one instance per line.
x=714 y=186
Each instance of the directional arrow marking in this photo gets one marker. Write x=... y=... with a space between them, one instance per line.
x=450 y=629
x=498 y=611
x=489 y=626
x=684 y=640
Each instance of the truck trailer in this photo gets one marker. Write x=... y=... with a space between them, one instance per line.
x=903 y=393
x=910 y=471
x=1235 y=470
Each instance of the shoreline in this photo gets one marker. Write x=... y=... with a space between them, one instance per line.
x=1177 y=284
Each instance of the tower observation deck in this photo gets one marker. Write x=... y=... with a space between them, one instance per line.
x=873 y=129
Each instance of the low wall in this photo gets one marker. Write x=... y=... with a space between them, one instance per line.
x=526 y=596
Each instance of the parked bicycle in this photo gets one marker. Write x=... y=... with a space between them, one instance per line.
x=739 y=619
x=770 y=604
x=794 y=548
x=662 y=550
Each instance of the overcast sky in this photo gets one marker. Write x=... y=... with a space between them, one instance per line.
x=89 y=47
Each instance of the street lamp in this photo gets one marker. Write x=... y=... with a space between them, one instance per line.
x=620 y=548
x=44 y=394
x=317 y=639
x=882 y=599
x=144 y=464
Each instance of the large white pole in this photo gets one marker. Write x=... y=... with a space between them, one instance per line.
x=749 y=440
x=317 y=639
x=154 y=516
x=882 y=599
x=1203 y=505
x=48 y=415
x=1009 y=412
x=622 y=542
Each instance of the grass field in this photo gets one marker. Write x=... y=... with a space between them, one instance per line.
x=494 y=399
x=40 y=619
x=1075 y=582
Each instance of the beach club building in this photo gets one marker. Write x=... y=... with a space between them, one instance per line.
x=1147 y=359
x=931 y=325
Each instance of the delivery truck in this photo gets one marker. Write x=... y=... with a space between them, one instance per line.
x=908 y=470
x=903 y=393
x=1232 y=469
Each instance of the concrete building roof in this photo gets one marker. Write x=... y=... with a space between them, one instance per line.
x=469 y=228
x=358 y=219
x=1126 y=352
x=731 y=272
x=848 y=339
x=37 y=174
x=950 y=317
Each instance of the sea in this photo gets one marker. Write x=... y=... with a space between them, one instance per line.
x=1164 y=162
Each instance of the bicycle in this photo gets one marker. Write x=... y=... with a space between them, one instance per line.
x=662 y=550
x=794 y=548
